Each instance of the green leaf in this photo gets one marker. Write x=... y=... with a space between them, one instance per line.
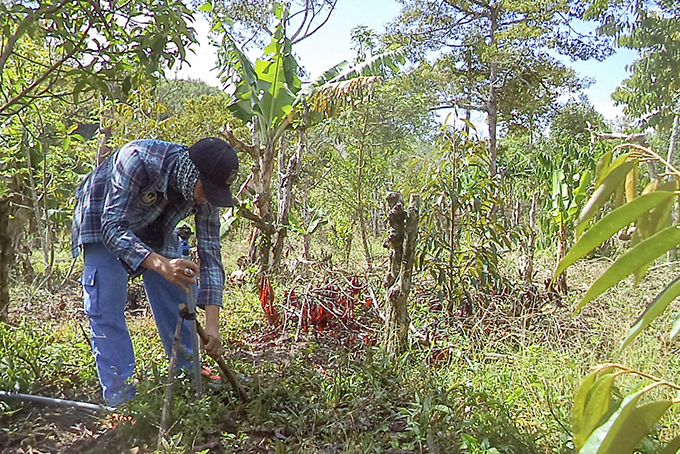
x=373 y=66
x=579 y=409
x=315 y=224
x=78 y=88
x=676 y=327
x=597 y=405
x=207 y=7
x=609 y=185
x=295 y=223
x=323 y=79
x=653 y=310
x=626 y=427
x=672 y=447
x=602 y=165
x=609 y=225
x=643 y=253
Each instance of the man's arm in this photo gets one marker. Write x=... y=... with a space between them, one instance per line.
x=128 y=175
x=210 y=255
x=212 y=328
x=212 y=274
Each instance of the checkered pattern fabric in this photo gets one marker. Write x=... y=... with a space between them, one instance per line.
x=128 y=203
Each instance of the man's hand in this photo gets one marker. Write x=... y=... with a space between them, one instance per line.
x=212 y=324
x=214 y=345
x=178 y=271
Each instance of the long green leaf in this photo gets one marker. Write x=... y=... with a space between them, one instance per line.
x=672 y=447
x=343 y=71
x=323 y=79
x=597 y=406
x=626 y=427
x=609 y=185
x=602 y=167
x=597 y=438
x=653 y=310
x=579 y=408
x=605 y=166
x=637 y=425
x=609 y=225
x=676 y=326
x=643 y=253
x=244 y=66
x=579 y=426
x=373 y=66
x=659 y=217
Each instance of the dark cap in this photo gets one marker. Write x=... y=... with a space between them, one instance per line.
x=217 y=165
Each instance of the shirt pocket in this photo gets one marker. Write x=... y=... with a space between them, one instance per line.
x=90 y=294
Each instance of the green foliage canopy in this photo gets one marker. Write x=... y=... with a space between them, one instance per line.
x=105 y=46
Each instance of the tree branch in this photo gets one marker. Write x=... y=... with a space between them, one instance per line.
x=460 y=105
x=260 y=223
x=302 y=23
x=308 y=33
x=636 y=138
x=42 y=78
x=9 y=47
x=228 y=133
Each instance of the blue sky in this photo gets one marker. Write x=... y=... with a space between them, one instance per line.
x=331 y=44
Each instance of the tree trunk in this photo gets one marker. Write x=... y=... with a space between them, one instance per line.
x=263 y=202
x=5 y=257
x=35 y=204
x=259 y=182
x=306 y=240
x=403 y=238
x=671 y=146
x=375 y=214
x=286 y=189
x=492 y=102
x=395 y=236
x=49 y=239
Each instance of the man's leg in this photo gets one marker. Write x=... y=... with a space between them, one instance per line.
x=165 y=299
x=105 y=293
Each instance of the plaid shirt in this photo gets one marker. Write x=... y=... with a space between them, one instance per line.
x=126 y=204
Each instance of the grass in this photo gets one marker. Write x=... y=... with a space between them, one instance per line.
x=452 y=392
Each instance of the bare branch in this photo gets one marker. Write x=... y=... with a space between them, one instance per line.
x=261 y=224
x=304 y=20
x=458 y=104
x=228 y=133
x=636 y=138
x=308 y=33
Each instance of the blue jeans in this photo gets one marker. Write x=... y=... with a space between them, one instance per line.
x=105 y=283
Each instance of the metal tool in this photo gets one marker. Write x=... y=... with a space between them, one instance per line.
x=184 y=234
x=188 y=312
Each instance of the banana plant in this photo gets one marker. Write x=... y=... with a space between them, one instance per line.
x=269 y=95
x=600 y=422
x=565 y=206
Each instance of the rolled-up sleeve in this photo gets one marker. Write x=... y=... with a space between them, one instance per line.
x=128 y=175
x=209 y=252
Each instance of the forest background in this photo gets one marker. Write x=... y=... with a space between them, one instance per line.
x=394 y=280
